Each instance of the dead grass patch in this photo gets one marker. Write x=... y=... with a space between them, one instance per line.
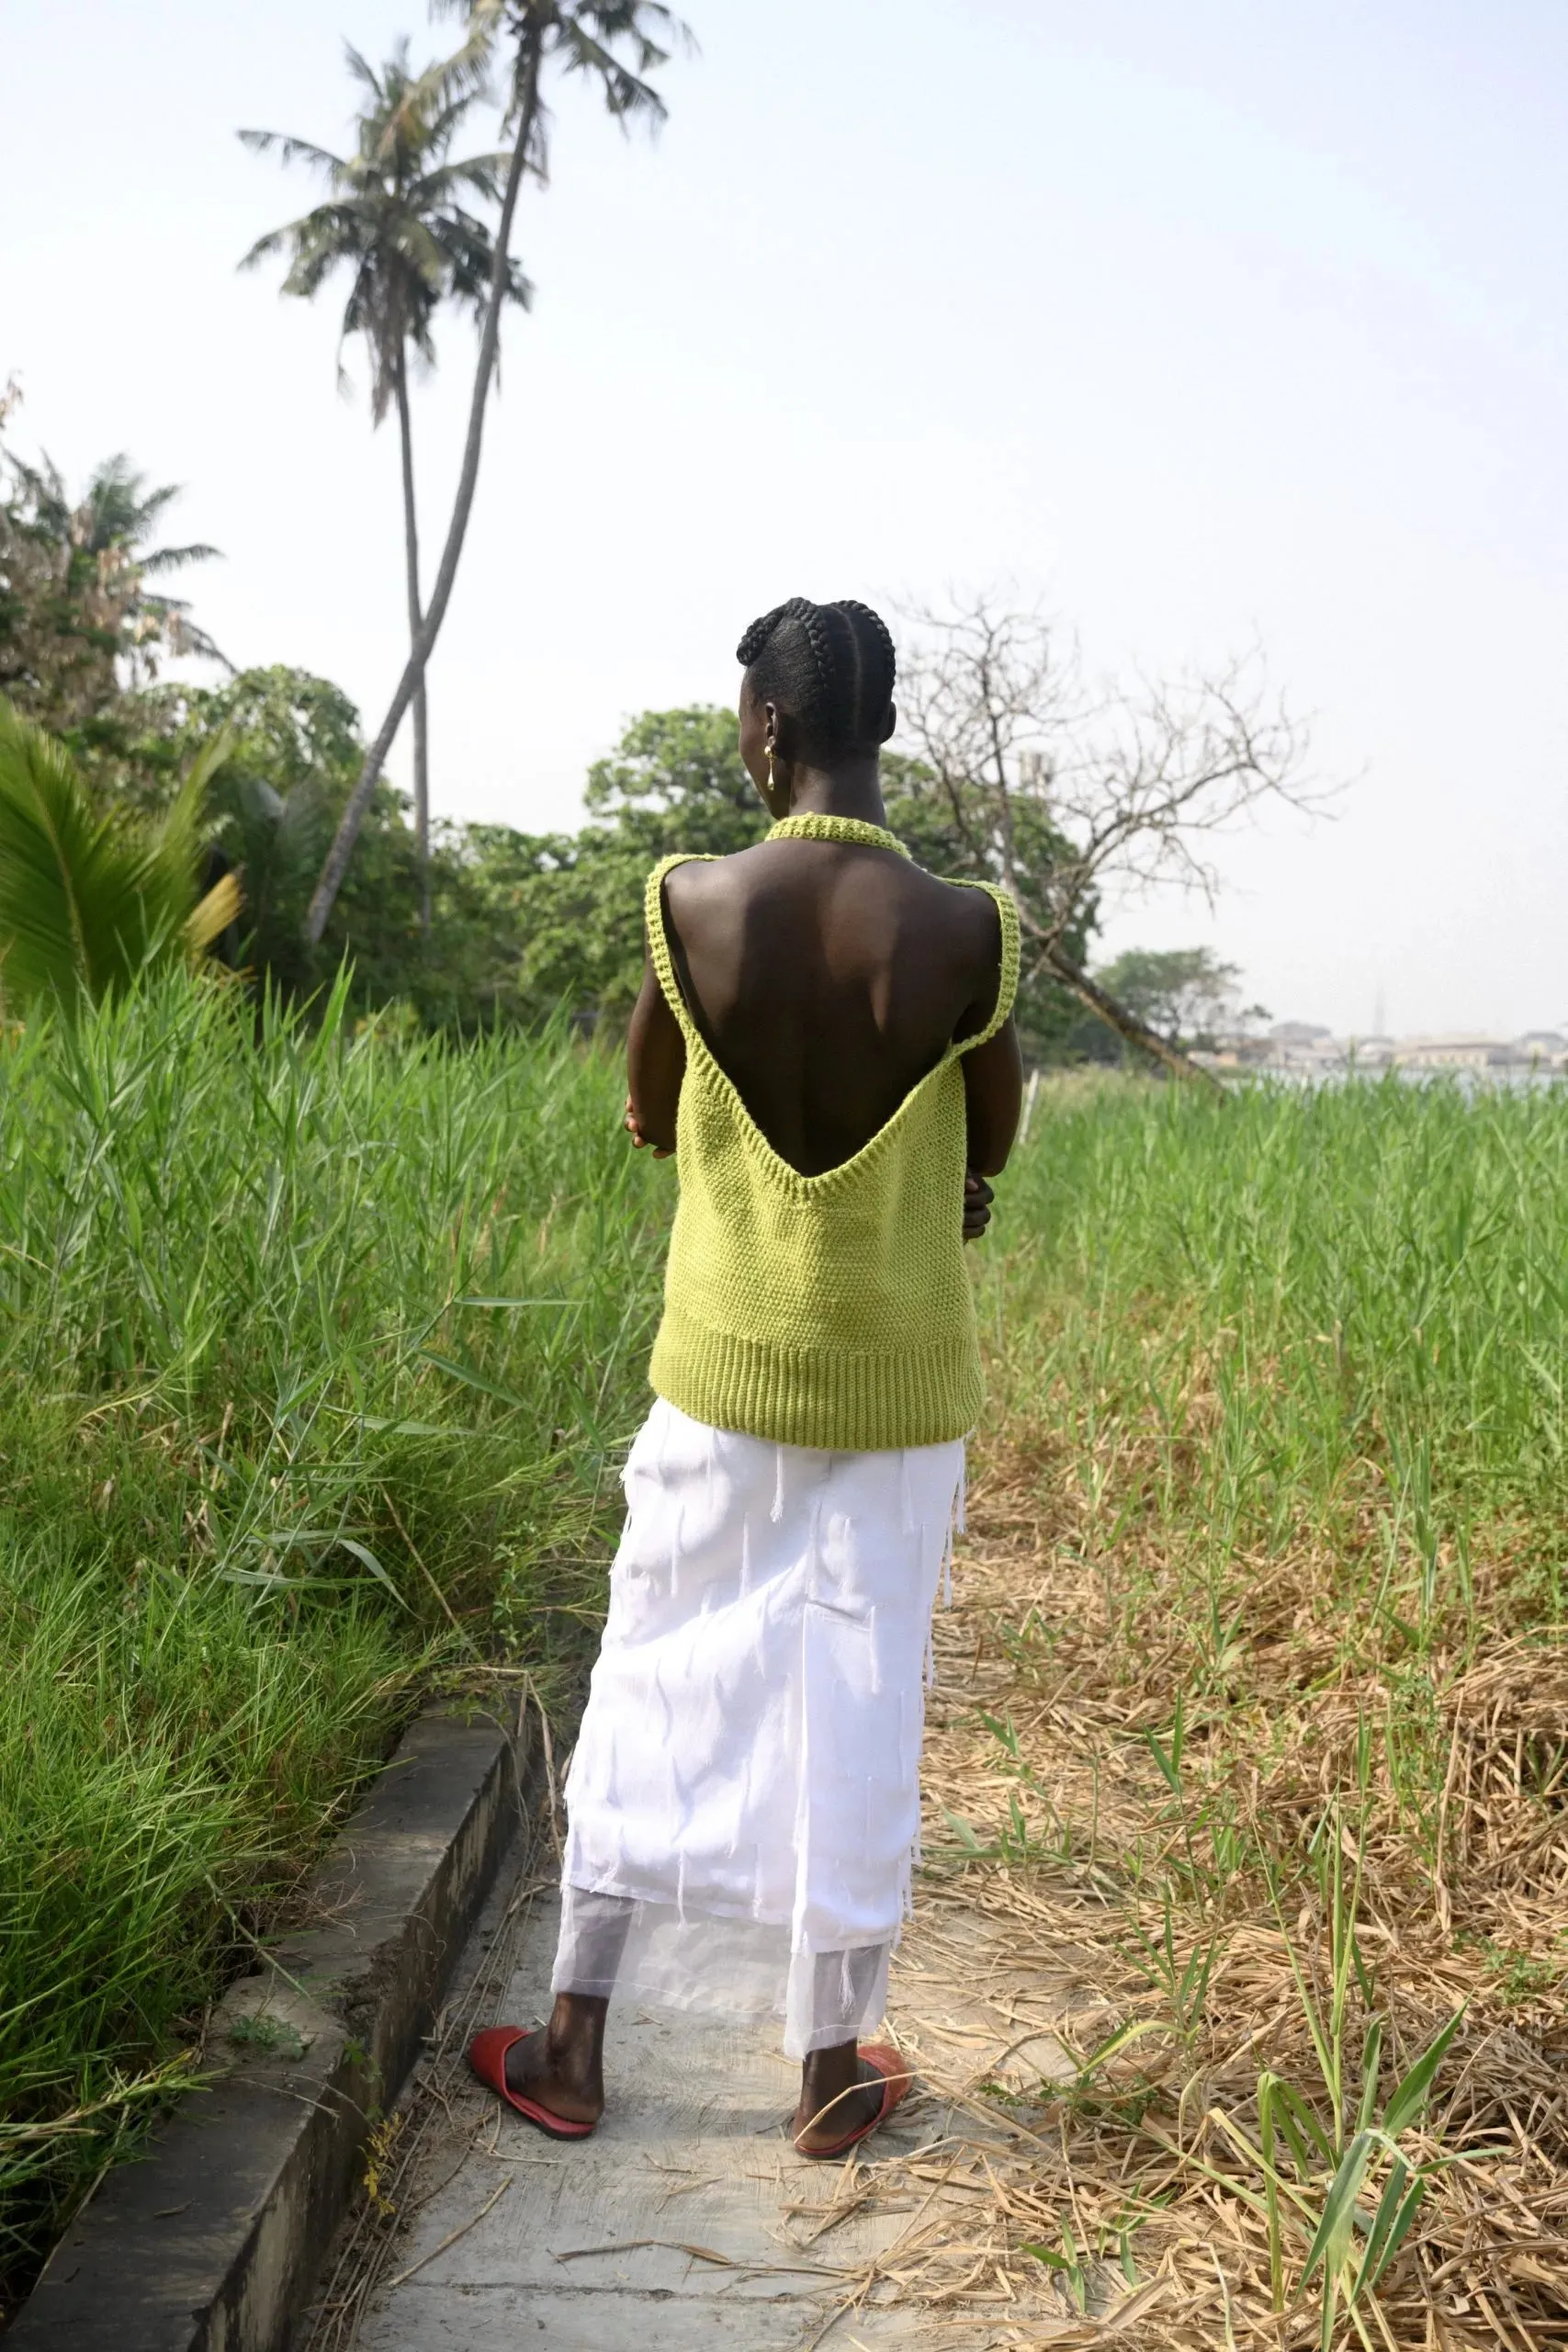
x=1227 y=1845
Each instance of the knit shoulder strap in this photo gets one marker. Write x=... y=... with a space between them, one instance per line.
x=658 y=938
x=1007 y=989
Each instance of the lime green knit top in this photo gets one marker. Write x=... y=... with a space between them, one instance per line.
x=830 y=1311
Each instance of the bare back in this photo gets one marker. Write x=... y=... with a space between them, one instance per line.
x=827 y=978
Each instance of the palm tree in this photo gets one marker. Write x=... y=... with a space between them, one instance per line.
x=585 y=37
x=395 y=216
x=117 y=510
x=89 y=902
x=77 y=605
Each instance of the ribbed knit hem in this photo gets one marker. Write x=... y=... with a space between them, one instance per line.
x=839 y=1402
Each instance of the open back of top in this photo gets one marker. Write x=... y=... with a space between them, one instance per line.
x=831 y=1310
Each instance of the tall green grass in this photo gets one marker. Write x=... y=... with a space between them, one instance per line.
x=316 y=1353
x=318 y=1350
x=1296 y=1286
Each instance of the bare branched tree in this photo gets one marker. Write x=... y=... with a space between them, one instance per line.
x=1061 y=787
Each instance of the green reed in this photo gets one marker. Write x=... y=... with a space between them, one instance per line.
x=1289 y=1289
x=316 y=1354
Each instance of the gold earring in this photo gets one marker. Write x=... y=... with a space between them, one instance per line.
x=773 y=785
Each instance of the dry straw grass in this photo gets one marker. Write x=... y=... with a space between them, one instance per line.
x=1164 y=1856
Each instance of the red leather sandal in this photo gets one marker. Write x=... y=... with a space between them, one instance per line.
x=895 y=2080
x=487 y=2056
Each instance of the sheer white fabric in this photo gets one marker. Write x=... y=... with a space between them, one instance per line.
x=734 y=1967
x=745 y=1787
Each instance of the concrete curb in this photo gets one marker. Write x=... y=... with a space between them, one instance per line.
x=212 y=2243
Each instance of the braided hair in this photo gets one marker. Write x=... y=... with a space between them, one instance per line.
x=831 y=667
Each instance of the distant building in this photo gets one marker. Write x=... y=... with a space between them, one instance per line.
x=1450 y=1053
x=1236 y=1052
x=1300 y=1045
x=1305 y=1048
x=1298 y=1032
x=1537 y=1049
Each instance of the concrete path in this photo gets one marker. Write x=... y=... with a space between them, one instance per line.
x=590 y=2247
x=687 y=2220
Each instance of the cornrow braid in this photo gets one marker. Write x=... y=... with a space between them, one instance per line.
x=811 y=621
x=757 y=636
x=831 y=667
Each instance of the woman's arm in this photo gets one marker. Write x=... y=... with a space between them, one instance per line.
x=993 y=1087
x=656 y=1063
x=993 y=1099
x=993 y=1073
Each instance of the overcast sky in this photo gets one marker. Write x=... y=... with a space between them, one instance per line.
x=1213 y=326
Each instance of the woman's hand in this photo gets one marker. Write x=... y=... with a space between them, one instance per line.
x=977 y=1199
x=636 y=1133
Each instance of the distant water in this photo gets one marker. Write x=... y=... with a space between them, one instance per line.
x=1466 y=1081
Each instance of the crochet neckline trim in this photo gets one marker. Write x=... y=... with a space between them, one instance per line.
x=813 y=825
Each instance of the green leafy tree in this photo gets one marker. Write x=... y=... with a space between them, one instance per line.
x=676 y=781
x=1186 y=994
x=397 y=219
x=614 y=45
x=294 y=749
x=89 y=902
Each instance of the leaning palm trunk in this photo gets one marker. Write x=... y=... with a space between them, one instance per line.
x=337 y=857
x=421 y=705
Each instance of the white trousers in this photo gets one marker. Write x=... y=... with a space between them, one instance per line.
x=743 y=1803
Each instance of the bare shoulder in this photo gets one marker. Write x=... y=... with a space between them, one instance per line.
x=963 y=921
x=696 y=878
x=970 y=918
x=699 y=882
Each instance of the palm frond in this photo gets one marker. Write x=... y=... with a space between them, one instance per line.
x=52 y=846
x=412 y=242
x=44 y=484
x=212 y=915
x=117 y=503
x=635 y=23
x=625 y=94
x=470 y=256
x=446 y=122
x=292 y=150
x=214 y=754
x=86 y=905
x=364 y=74
x=170 y=559
x=186 y=638
x=320 y=239
x=484 y=174
x=486 y=24
x=265 y=247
